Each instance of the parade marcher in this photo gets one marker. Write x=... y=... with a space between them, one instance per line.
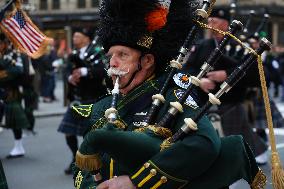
x=86 y=85
x=11 y=70
x=47 y=74
x=234 y=112
x=140 y=41
x=3 y=181
x=29 y=94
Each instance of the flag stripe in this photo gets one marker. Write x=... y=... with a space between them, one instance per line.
x=39 y=40
x=24 y=39
x=15 y=34
x=32 y=40
x=34 y=31
x=28 y=37
x=37 y=37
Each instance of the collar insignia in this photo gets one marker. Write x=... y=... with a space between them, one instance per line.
x=182 y=80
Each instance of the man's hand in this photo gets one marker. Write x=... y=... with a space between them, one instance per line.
x=76 y=74
x=218 y=76
x=121 y=182
x=74 y=79
x=206 y=85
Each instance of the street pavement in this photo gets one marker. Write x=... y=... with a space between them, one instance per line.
x=47 y=154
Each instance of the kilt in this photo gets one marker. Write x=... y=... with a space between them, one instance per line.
x=3 y=181
x=260 y=122
x=71 y=124
x=15 y=117
x=235 y=121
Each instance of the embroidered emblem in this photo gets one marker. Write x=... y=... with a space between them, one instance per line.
x=78 y=181
x=182 y=80
x=189 y=101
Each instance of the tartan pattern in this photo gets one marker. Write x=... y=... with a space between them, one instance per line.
x=234 y=121
x=260 y=122
x=3 y=181
x=71 y=125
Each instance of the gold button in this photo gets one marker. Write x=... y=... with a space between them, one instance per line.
x=146 y=165
x=164 y=179
x=153 y=172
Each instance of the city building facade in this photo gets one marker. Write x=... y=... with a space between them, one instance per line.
x=58 y=17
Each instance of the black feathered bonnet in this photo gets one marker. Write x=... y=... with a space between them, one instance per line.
x=158 y=27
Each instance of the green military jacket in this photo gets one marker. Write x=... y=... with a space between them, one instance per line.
x=11 y=70
x=126 y=149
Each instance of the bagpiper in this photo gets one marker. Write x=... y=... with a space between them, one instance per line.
x=120 y=150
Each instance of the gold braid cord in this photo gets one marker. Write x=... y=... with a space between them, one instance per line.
x=120 y=124
x=211 y=7
x=159 y=131
x=226 y=33
x=259 y=180
x=277 y=171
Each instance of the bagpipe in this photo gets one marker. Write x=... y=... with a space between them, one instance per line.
x=93 y=58
x=105 y=140
x=235 y=49
x=92 y=55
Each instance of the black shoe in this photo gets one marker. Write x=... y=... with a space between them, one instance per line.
x=68 y=170
x=14 y=156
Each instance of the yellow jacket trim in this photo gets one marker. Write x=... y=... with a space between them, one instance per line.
x=160 y=131
x=160 y=182
x=146 y=165
x=79 y=179
x=120 y=124
x=83 y=110
x=152 y=173
x=88 y=162
x=111 y=168
x=259 y=180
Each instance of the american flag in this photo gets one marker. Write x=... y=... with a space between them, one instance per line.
x=24 y=34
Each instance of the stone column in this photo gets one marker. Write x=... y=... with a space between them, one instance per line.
x=49 y=4
x=275 y=32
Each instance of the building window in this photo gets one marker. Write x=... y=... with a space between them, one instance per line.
x=56 y=4
x=95 y=3
x=43 y=5
x=81 y=3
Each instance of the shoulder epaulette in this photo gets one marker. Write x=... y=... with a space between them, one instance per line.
x=83 y=110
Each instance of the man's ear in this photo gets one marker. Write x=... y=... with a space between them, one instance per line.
x=148 y=61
